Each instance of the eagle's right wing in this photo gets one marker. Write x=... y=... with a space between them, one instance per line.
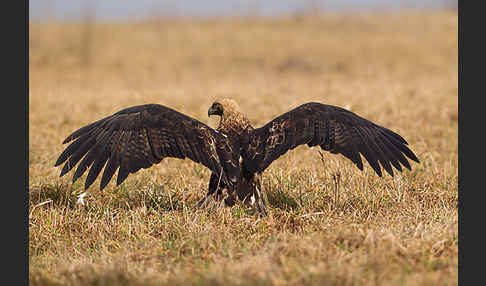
x=141 y=136
x=334 y=129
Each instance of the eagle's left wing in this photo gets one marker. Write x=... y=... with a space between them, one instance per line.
x=334 y=129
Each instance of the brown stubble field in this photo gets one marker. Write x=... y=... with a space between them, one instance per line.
x=328 y=223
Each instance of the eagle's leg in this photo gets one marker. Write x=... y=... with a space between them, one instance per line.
x=215 y=189
x=259 y=195
x=251 y=193
x=213 y=184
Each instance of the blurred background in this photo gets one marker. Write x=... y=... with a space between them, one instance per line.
x=128 y=10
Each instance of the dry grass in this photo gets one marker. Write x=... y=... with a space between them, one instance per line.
x=398 y=70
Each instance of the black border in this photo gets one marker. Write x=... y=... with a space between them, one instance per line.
x=470 y=144
x=16 y=89
x=460 y=146
x=15 y=142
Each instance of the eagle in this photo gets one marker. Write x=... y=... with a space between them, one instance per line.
x=235 y=152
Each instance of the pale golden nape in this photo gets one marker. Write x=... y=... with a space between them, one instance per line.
x=232 y=119
x=229 y=105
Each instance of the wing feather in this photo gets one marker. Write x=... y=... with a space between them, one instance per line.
x=79 y=153
x=93 y=154
x=114 y=159
x=399 y=155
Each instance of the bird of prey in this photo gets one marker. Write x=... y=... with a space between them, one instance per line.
x=236 y=152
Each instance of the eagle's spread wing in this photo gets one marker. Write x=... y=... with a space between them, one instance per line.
x=335 y=129
x=141 y=136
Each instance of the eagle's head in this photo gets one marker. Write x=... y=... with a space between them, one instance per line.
x=215 y=109
x=223 y=107
x=231 y=117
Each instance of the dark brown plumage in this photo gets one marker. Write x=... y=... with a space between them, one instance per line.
x=236 y=153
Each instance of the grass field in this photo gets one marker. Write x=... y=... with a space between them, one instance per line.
x=398 y=70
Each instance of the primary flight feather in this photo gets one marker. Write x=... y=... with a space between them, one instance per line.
x=236 y=153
